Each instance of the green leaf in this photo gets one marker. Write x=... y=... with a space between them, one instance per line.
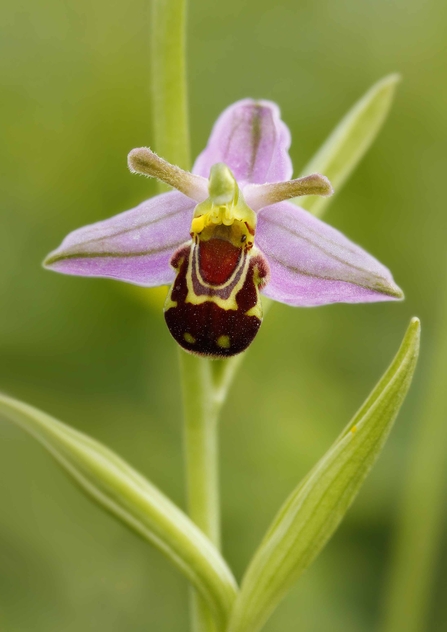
x=349 y=141
x=126 y=494
x=313 y=511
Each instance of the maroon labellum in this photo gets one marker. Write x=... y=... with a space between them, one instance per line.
x=214 y=307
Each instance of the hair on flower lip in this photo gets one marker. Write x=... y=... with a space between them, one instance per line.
x=227 y=233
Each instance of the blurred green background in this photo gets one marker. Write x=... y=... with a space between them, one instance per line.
x=96 y=353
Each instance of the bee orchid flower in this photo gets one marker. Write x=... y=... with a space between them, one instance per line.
x=226 y=233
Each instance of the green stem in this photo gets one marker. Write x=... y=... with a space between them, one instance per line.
x=201 y=447
x=168 y=81
x=205 y=384
x=204 y=388
x=419 y=534
x=171 y=140
x=201 y=412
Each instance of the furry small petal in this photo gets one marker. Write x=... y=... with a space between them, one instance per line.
x=252 y=140
x=135 y=246
x=312 y=263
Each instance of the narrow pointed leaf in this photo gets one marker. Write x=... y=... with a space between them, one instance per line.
x=313 y=511
x=349 y=141
x=120 y=489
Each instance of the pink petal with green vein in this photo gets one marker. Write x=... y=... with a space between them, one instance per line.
x=250 y=138
x=134 y=246
x=312 y=263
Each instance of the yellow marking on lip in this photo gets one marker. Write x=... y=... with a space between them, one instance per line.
x=188 y=338
x=354 y=429
x=224 y=342
x=256 y=310
x=169 y=302
x=227 y=303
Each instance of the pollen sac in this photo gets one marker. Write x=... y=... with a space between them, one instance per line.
x=213 y=307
